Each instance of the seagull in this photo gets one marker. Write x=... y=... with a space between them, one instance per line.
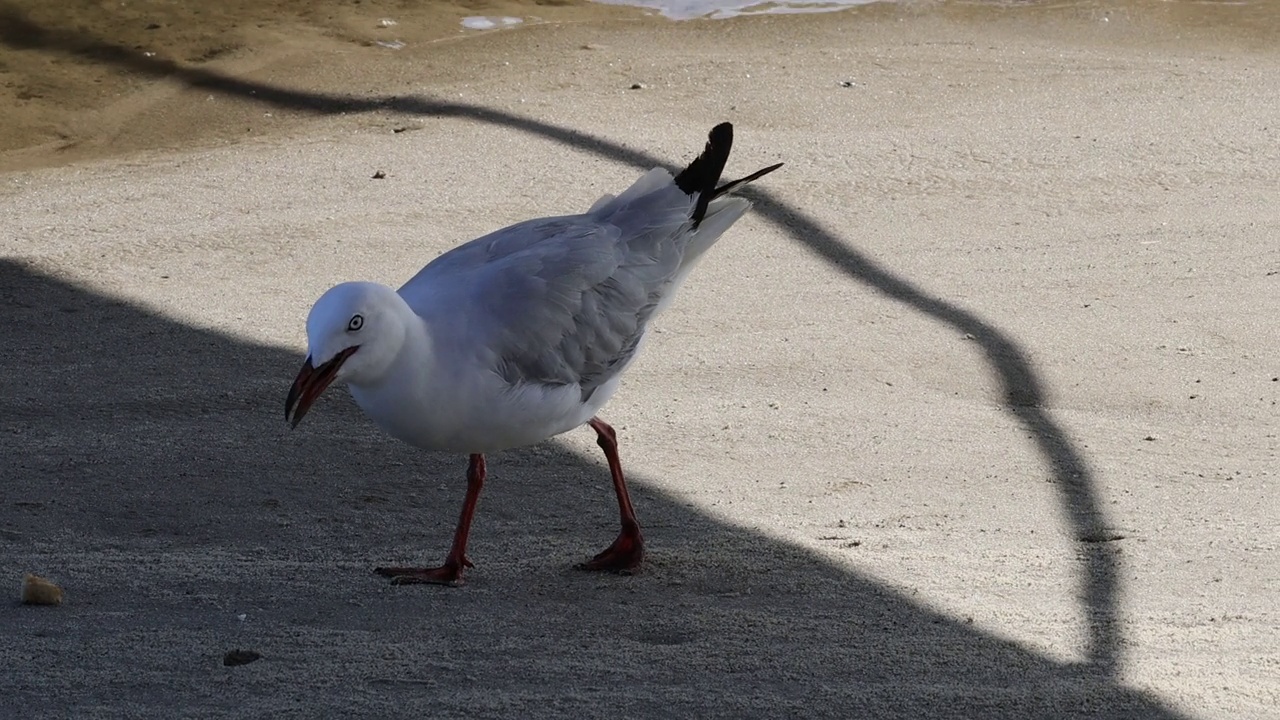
x=522 y=334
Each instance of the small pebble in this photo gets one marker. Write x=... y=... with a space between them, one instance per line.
x=379 y=175
x=240 y=657
x=38 y=591
x=638 y=86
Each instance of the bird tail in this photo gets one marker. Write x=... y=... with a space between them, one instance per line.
x=713 y=212
x=703 y=174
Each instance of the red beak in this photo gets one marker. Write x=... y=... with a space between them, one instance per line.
x=310 y=384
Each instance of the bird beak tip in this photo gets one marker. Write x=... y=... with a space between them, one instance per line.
x=310 y=383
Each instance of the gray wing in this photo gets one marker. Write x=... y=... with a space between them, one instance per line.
x=556 y=301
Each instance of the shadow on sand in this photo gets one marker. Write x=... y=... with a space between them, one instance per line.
x=163 y=488
x=168 y=454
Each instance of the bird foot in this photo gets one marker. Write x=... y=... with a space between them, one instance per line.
x=622 y=557
x=448 y=574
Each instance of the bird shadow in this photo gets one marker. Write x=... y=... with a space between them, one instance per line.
x=153 y=457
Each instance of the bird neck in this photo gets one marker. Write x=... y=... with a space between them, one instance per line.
x=405 y=380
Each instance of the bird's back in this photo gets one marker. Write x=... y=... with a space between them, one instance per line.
x=560 y=300
x=565 y=301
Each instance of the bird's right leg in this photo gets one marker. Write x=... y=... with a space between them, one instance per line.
x=626 y=552
x=450 y=573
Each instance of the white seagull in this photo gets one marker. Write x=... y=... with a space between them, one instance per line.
x=522 y=334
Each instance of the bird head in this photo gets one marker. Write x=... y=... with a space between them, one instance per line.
x=354 y=333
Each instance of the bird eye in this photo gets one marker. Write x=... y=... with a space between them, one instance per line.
x=357 y=322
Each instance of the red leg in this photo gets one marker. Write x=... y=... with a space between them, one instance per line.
x=625 y=554
x=450 y=573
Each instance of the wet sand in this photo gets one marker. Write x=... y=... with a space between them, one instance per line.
x=84 y=80
x=975 y=416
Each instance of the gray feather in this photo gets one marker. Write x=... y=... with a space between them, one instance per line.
x=559 y=301
x=566 y=300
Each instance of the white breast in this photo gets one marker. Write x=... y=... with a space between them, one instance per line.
x=476 y=411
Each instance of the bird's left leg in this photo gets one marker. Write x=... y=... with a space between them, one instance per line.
x=625 y=554
x=450 y=573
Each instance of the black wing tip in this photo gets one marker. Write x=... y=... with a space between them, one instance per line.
x=765 y=171
x=750 y=178
x=705 y=169
x=721 y=134
x=704 y=172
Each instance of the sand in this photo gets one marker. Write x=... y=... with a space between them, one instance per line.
x=974 y=417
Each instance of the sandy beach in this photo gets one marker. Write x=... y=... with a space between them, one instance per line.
x=974 y=416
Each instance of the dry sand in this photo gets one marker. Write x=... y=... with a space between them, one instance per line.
x=974 y=418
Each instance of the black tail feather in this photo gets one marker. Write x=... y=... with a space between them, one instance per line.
x=704 y=172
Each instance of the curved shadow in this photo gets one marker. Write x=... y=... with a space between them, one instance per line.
x=160 y=489
x=1020 y=383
